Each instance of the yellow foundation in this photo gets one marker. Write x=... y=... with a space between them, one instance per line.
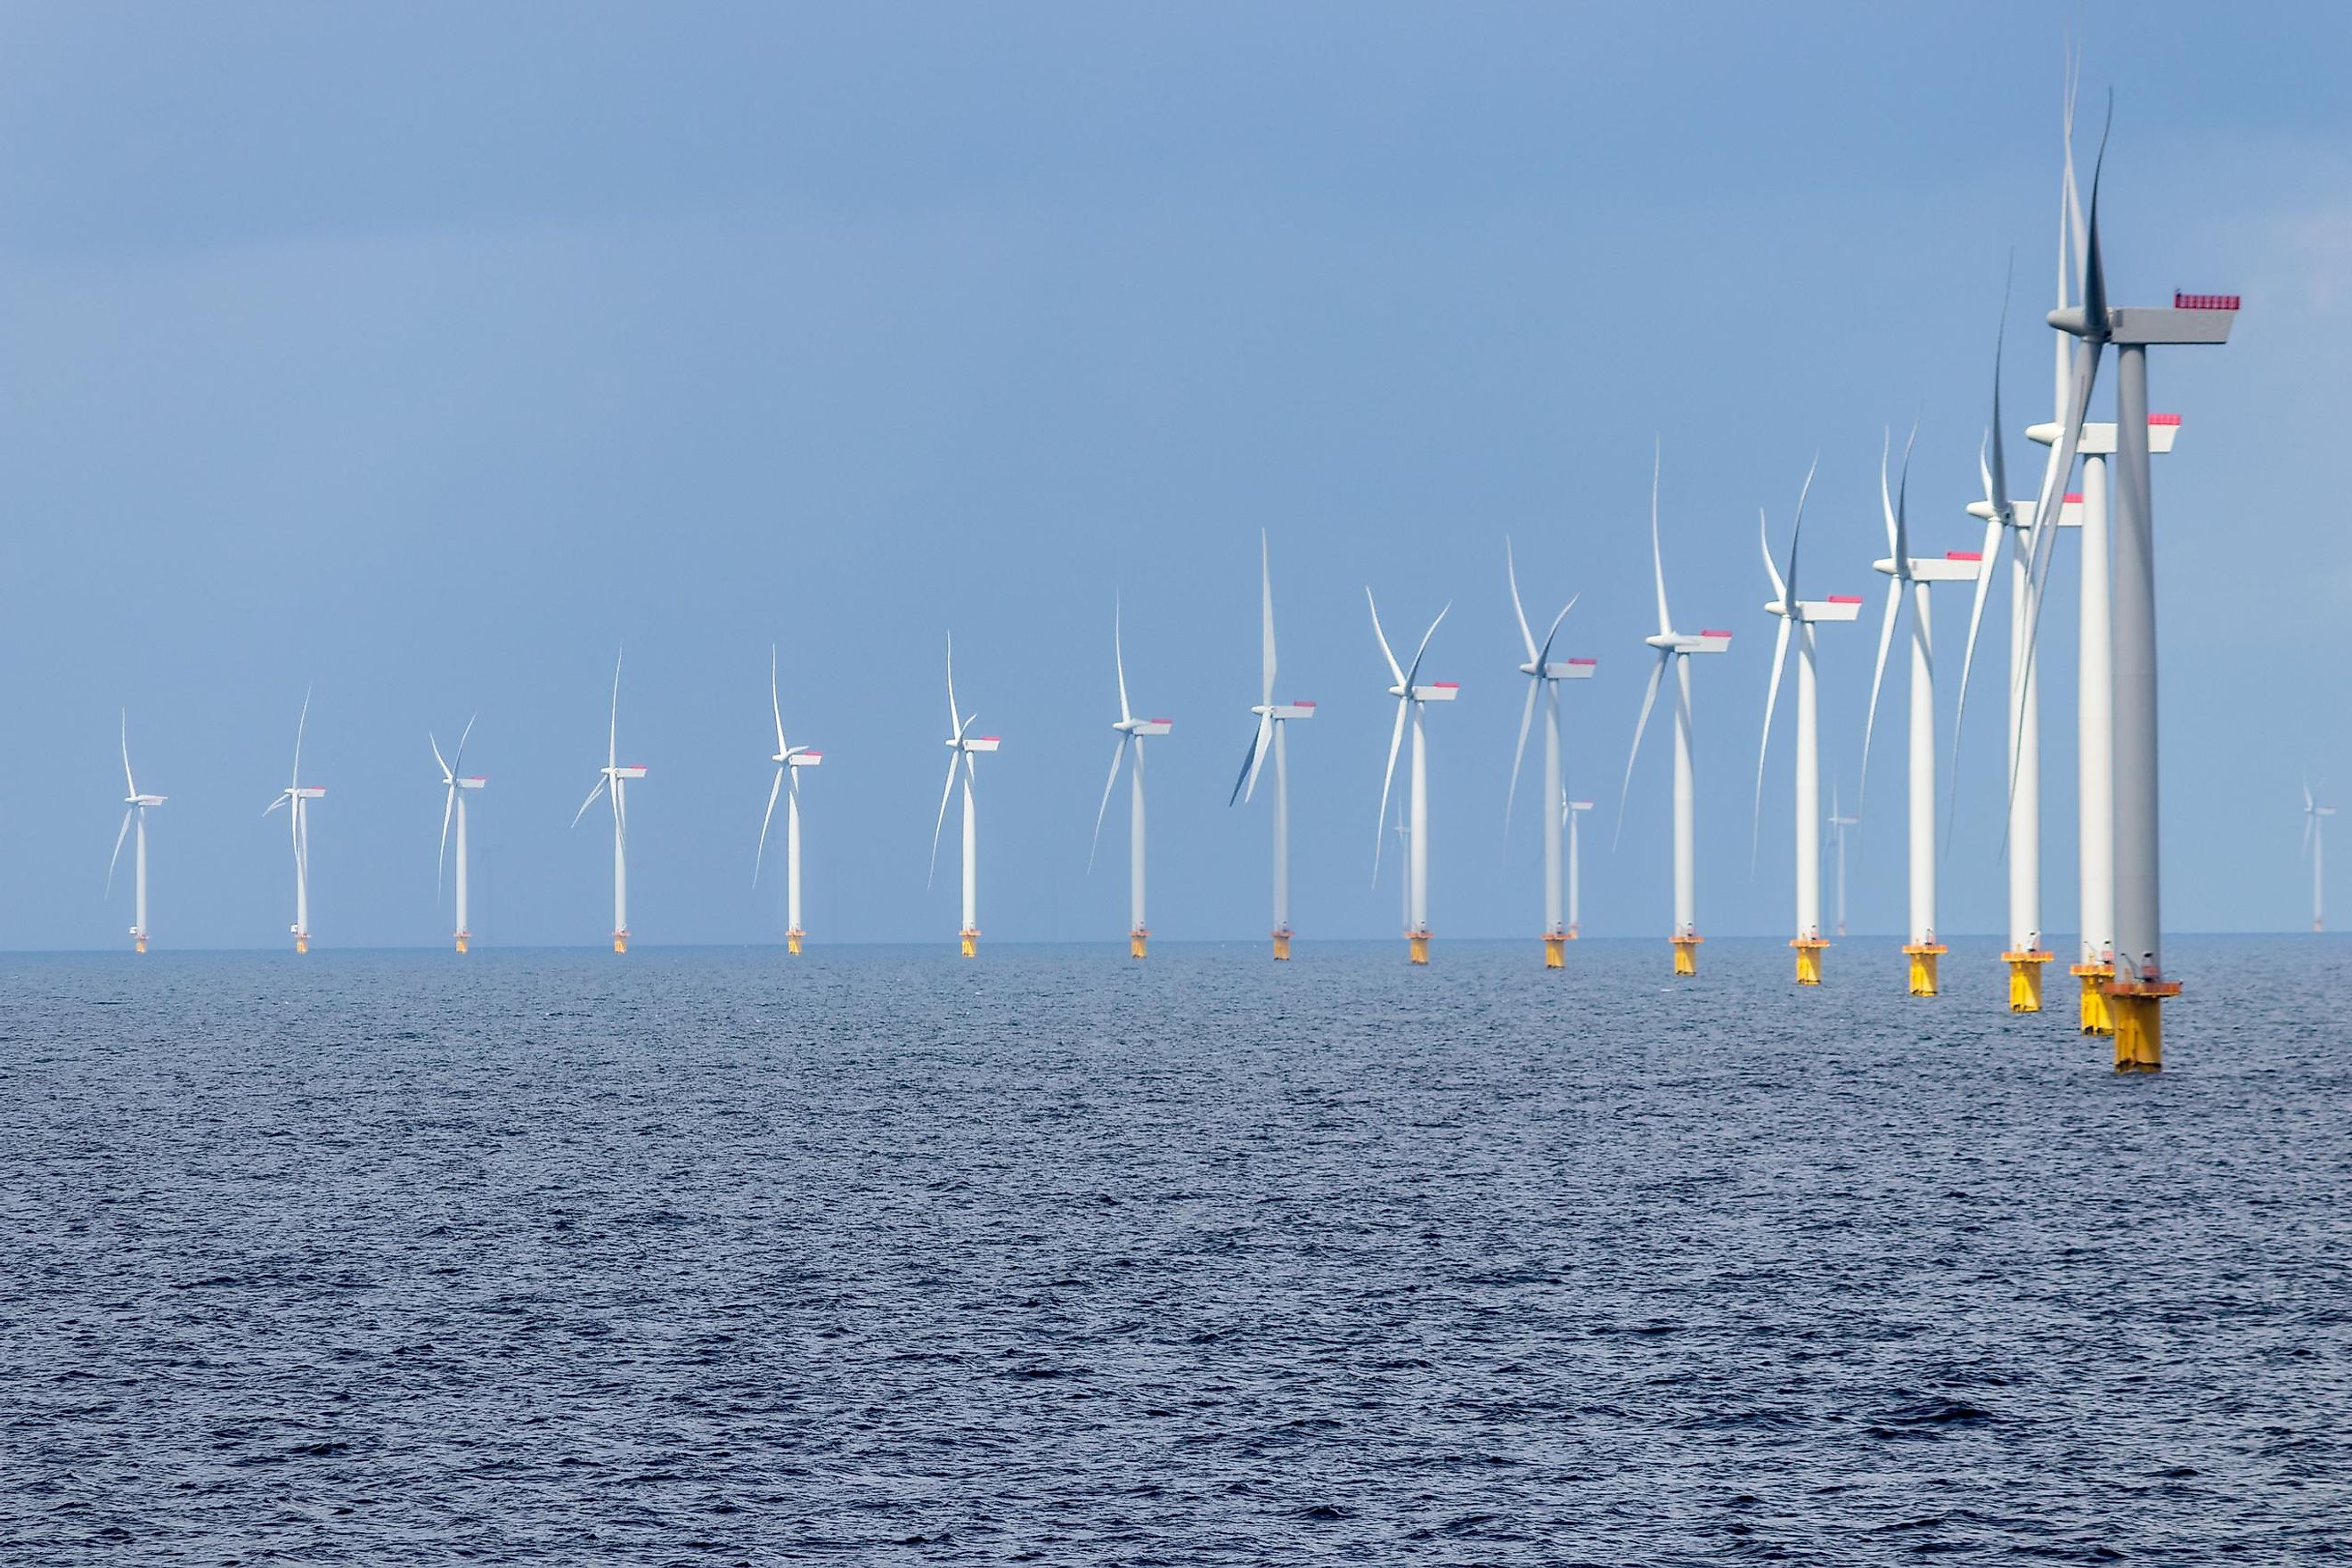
x=1809 y=959
x=2025 y=980
x=1555 y=951
x=1571 y=933
x=302 y=943
x=1686 y=954
x=1282 y=947
x=1417 y=947
x=141 y=944
x=2097 y=1017
x=1923 y=957
x=1136 y=940
x=970 y=941
x=2137 y=1009
x=792 y=941
x=620 y=941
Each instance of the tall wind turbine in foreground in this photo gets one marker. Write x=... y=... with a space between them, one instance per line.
x=790 y=761
x=1802 y=616
x=135 y=815
x=2315 y=840
x=1271 y=718
x=1412 y=698
x=297 y=798
x=1133 y=731
x=963 y=745
x=453 y=805
x=1544 y=675
x=1903 y=571
x=2137 y=992
x=613 y=777
x=1675 y=648
x=1839 y=823
x=1572 y=810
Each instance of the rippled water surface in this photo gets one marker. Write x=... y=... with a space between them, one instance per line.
x=882 y=1257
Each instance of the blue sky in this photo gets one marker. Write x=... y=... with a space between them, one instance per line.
x=431 y=353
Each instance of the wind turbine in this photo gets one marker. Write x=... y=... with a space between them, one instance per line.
x=1271 y=718
x=1132 y=732
x=2315 y=835
x=297 y=798
x=454 y=804
x=1839 y=823
x=1801 y=615
x=136 y=806
x=1411 y=697
x=613 y=777
x=962 y=747
x=1572 y=810
x=1675 y=648
x=2137 y=992
x=790 y=761
x=1544 y=675
x=1903 y=571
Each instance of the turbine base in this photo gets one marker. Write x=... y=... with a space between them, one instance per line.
x=1687 y=954
x=1809 y=959
x=138 y=944
x=1138 y=940
x=1571 y=933
x=1417 y=946
x=620 y=941
x=1555 y=951
x=1923 y=957
x=1282 y=945
x=303 y=941
x=463 y=938
x=792 y=941
x=2097 y=1017
x=2025 y=980
x=2137 y=1006
x=969 y=940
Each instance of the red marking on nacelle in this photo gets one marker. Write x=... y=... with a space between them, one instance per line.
x=1963 y=554
x=1713 y=634
x=1845 y=599
x=1300 y=702
x=2074 y=498
x=1584 y=661
x=1163 y=720
x=2164 y=418
x=2203 y=302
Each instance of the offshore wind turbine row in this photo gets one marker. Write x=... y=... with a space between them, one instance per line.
x=2118 y=961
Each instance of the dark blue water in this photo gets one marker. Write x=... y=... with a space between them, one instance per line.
x=882 y=1257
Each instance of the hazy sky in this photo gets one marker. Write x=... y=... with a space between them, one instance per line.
x=431 y=353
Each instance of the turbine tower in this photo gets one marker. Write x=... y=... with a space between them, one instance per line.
x=1904 y=571
x=1574 y=809
x=1544 y=675
x=1271 y=718
x=1132 y=732
x=963 y=745
x=454 y=804
x=1675 y=648
x=1411 y=697
x=615 y=778
x=297 y=798
x=1802 y=616
x=789 y=760
x=2137 y=993
x=136 y=806
x=1838 y=825
x=2315 y=835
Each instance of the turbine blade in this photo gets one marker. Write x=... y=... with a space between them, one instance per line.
x=1394 y=669
x=1118 y=653
x=127 y=779
x=1771 y=697
x=1995 y=542
x=1657 y=559
x=1118 y=755
x=125 y=832
x=1379 y=825
x=300 y=725
x=760 y=854
x=613 y=735
x=283 y=797
x=601 y=780
x=1265 y=583
x=955 y=719
x=1886 y=503
x=465 y=734
x=1511 y=567
x=1797 y=530
x=1877 y=676
x=1649 y=699
x=446 y=773
x=448 y=806
x=1246 y=786
x=1413 y=671
x=1518 y=752
x=1543 y=655
x=775 y=703
x=1771 y=567
x=945 y=795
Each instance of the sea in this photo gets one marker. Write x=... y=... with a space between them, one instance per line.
x=879 y=1255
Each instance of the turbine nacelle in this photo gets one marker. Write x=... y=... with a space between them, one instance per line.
x=1437 y=691
x=476 y=782
x=1281 y=711
x=1687 y=642
x=623 y=773
x=801 y=757
x=2099 y=440
x=144 y=799
x=1141 y=726
x=307 y=792
x=1836 y=607
x=977 y=743
x=1562 y=669
x=1955 y=566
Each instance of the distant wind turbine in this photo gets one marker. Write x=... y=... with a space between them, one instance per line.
x=1132 y=732
x=297 y=798
x=789 y=760
x=963 y=747
x=615 y=778
x=1572 y=810
x=2315 y=844
x=1839 y=823
x=1411 y=697
x=1272 y=719
x=1544 y=675
x=134 y=816
x=453 y=805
